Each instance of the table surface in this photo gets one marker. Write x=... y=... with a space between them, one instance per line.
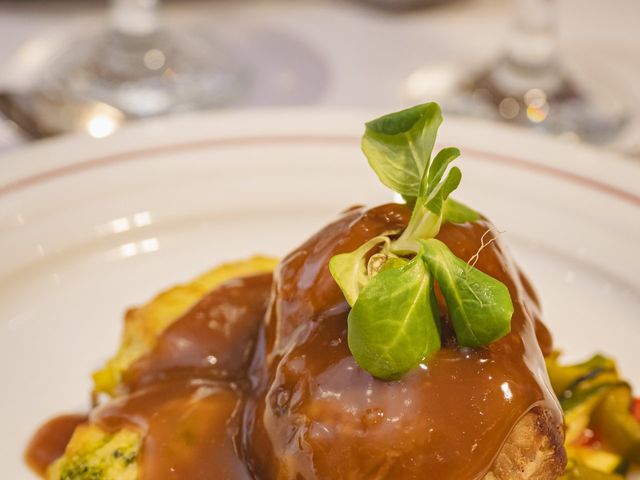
x=345 y=54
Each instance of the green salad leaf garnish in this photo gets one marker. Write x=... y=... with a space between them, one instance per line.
x=350 y=269
x=468 y=292
x=397 y=145
x=389 y=280
x=393 y=324
x=457 y=212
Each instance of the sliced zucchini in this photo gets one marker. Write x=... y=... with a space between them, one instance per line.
x=593 y=396
x=618 y=429
x=598 y=459
x=579 y=471
x=564 y=377
x=580 y=403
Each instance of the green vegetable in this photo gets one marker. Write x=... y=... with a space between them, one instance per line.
x=456 y=212
x=436 y=171
x=350 y=269
x=426 y=217
x=437 y=193
x=398 y=146
x=581 y=388
x=576 y=470
x=479 y=306
x=385 y=262
x=579 y=407
x=392 y=325
x=564 y=377
x=93 y=454
x=619 y=429
x=598 y=460
x=594 y=397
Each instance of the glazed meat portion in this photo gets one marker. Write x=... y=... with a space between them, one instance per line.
x=318 y=415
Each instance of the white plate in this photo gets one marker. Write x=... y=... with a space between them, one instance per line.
x=91 y=227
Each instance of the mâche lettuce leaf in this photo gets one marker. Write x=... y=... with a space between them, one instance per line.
x=479 y=306
x=393 y=324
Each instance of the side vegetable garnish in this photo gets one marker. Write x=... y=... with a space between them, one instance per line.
x=603 y=436
x=394 y=320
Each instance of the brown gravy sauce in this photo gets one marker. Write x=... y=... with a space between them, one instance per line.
x=49 y=442
x=226 y=394
x=215 y=339
x=189 y=426
x=185 y=396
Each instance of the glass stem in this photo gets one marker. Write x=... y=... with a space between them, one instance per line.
x=530 y=58
x=533 y=44
x=134 y=18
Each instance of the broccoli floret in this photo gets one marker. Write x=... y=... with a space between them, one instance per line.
x=93 y=454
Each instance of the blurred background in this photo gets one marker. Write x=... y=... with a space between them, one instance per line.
x=564 y=67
